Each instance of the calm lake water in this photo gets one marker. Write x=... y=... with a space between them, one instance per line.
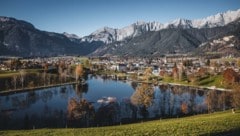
x=110 y=100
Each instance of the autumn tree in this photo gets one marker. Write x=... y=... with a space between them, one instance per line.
x=134 y=76
x=230 y=76
x=193 y=79
x=162 y=73
x=175 y=72
x=147 y=73
x=143 y=95
x=202 y=72
x=61 y=68
x=184 y=108
x=79 y=71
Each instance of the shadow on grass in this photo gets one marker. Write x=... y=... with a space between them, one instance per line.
x=234 y=132
x=207 y=82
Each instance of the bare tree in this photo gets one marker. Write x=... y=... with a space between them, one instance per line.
x=236 y=96
x=60 y=72
x=48 y=79
x=222 y=101
x=44 y=78
x=175 y=71
x=7 y=87
x=211 y=100
x=14 y=81
x=65 y=75
x=39 y=77
x=22 y=76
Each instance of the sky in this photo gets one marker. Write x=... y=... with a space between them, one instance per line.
x=83 y=17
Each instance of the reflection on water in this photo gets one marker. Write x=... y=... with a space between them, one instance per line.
x=101 y=102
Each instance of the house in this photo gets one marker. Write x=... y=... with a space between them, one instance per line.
x=119 y=67
x=155 y=70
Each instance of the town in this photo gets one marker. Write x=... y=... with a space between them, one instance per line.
x=179 y=69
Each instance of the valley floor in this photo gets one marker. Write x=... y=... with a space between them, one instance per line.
x=219 y=123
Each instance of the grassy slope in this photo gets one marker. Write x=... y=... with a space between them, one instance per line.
x=208 y=124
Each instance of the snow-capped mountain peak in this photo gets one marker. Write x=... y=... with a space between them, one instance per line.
x=179 y=23
x=109 y=35
x=219 y=19
x=74 y=36
x=4 y=19
x=138 y=23
x=103 y=30
x=105 y=34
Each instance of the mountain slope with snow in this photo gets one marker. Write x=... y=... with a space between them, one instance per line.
x=141 y=38
x=175 y=39
x=109 y=35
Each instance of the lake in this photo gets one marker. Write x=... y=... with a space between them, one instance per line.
x=100 y=102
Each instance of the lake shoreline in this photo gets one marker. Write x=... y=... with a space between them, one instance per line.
x=34 y=88
x=137 y=81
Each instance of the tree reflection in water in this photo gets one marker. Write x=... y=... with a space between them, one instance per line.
x=80 y=113
x=32 y=97
x=80 y=89
x=46 y=95
x=143 y=98
x=51 y=107
x=108 y=113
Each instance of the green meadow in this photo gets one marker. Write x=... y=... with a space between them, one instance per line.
x=218 y=123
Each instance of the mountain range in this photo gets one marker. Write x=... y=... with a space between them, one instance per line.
x=20 y=38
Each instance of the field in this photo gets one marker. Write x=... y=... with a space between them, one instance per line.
x=207 y=81
x=219 y=123
x=4 y=74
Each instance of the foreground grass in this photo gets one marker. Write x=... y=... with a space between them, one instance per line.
x=224 y=123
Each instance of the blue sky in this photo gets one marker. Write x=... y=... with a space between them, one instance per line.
x=82 y=17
